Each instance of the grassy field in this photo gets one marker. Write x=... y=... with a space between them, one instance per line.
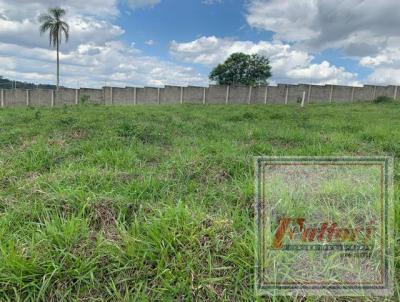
x=154 y=202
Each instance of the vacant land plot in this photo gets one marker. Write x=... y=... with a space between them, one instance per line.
x=114 y=203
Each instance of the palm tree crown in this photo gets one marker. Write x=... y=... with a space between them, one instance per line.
x=56 y=27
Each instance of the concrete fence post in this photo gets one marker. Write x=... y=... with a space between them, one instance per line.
x=374 y=93
x=395 y=92
x=204 y=95
x=158 y=96
x=76 y=96
x=309 y=94
x=266 y=95
x=227 y=94
x=331 y=94
x=303 y=99
x=111 y=96
x=27 y=97
x=249 y=98
x=134 y=96
x=286 y=94
x=181 y=95
x=352 y=94
x=52 y=98
x=2 y=98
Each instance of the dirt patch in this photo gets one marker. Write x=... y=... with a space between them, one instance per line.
x=57 y=142
x=104 y=219
x=125 y=177
x=222 y=176
x=78 y=134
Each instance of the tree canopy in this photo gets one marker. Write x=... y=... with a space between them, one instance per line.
x=242 y=69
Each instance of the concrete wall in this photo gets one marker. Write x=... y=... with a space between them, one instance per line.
x=216 y=94
x=365 y=93
x=172 y=95
x=66 y=96
x=96 y=96
x=295 y=93
x=385 y=91
x=14 y=97
x=148 y=95
x=342 y=94
x=280 y=94
x=123 y=96
x=238 y=95
x=276 y=94
x=259 y=94
x=194 y=95
x=320 y=94
x=40 y=97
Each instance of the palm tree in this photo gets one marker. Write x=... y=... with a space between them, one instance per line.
x=56 y=27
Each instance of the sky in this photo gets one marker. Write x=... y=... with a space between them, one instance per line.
x=171 y=42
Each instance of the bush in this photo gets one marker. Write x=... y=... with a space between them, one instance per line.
x=383 y=99
x=84 y=99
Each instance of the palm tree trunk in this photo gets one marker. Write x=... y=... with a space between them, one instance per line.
x=58 y=63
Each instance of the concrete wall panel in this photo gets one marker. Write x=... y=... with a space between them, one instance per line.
x=341 y=94
x=40 y=97
x=258 y=95
x=276 y=94
x=216 y=94
x=171 y=95
x=194 y=95
x=320 y=94
x=96 y=96
x=384 y=91
x=65 y=96
x=15 y=97
x=148 y=95
x=295 y=94
x=238 y=95
x=362 y=94
x=123 y=96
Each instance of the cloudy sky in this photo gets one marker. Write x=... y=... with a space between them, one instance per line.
x=157 y=42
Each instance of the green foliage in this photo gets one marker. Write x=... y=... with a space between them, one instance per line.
x=242 y=69
x=155 y=203
x=383 y=99
x=52 y=23
x=84 y=99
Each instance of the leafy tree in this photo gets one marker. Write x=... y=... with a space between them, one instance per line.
x=56 y=27
x=242 y=69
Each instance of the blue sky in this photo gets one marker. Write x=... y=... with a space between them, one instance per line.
x=158 y=42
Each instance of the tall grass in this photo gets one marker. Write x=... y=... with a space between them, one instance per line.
x=154 y=202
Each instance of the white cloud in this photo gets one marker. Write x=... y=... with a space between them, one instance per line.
x=290 y=20
x=324 y=73
x=113 y=63
x=360 y=27
x=22 y=9
x=288 y=63
x=385 y=64
x=93 y=56
x=150 y=42
x=366 y=30
x=142 y=3
x=385 y=76
x=82 y=29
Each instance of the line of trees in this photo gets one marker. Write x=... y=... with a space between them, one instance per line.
x=9 y=84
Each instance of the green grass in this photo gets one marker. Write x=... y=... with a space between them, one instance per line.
x=155 y=202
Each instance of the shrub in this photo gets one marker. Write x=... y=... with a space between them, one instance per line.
x=84 y=99
x=383 y=99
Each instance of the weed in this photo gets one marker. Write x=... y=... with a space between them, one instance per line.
x=154 y=202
